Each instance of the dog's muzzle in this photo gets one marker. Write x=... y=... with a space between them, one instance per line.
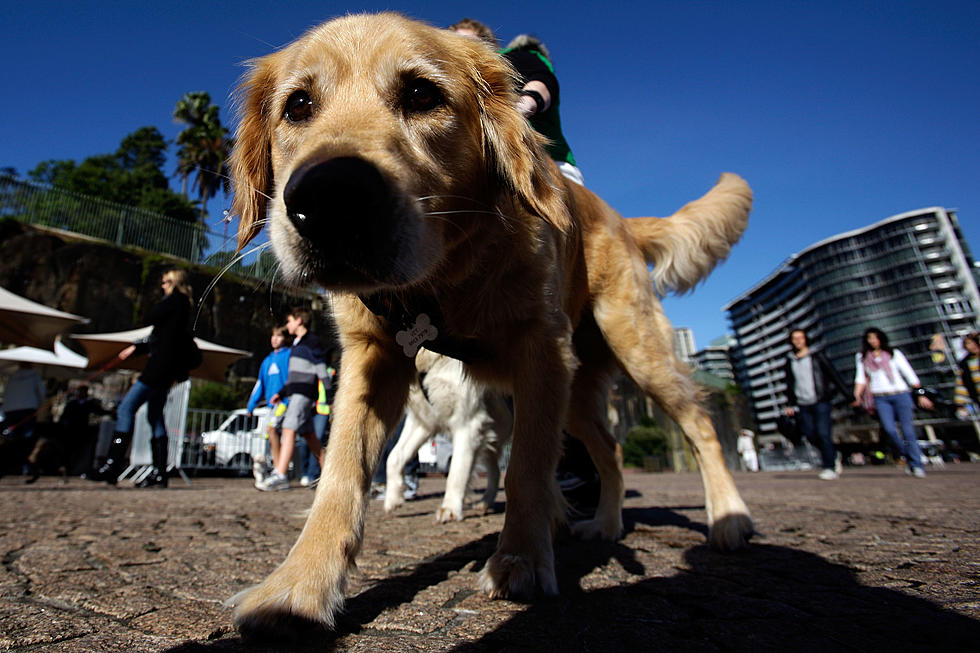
x=346 y=211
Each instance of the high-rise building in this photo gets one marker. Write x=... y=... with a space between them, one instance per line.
x=716 y=358
x=684 y=344
x=911 y=275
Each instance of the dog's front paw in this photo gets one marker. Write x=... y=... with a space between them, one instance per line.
x=446 y=514
x=507 y=575
x=287 y=598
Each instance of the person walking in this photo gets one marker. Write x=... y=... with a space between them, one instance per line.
x=306 y=368
x=967 y=397
x=23 y=396
x=746 y=448
x=273 y=373
x=885 y=373
x=168 y=347
x=811 y=382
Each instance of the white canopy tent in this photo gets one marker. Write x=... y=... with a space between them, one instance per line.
x=23 y=322
x=61 y=357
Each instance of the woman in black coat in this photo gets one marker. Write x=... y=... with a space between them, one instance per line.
x=166 y=346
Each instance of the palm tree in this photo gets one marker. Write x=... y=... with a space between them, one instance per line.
x=204 y=147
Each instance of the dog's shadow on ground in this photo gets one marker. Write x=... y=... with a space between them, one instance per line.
x=764 y=598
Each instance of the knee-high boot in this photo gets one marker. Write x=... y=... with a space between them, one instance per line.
x=160 y=448
x=116 y=460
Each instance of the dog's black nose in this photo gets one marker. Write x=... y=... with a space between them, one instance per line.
x=337 y=199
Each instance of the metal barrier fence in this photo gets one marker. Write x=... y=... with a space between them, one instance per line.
x=216 y=440
x=124 y=225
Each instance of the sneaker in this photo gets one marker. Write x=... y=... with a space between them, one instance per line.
x=411 y=491
x=827 y=475
x=377 y=490
x=305 y=481
x=918 y=472
x=273 y=483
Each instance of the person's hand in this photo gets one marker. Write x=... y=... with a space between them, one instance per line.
x=527 y=106
x=274 y=400
x=127 y=352
x=789 y=412
x=962 y=413
x=925 y=402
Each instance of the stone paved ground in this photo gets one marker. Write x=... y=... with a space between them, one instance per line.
x=875 y=561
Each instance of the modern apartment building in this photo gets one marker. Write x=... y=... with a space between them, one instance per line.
x=911 y=275
x=716 y=358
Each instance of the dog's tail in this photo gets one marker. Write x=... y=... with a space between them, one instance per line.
x=685 y=247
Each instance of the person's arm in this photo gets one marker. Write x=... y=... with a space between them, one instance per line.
x=253 y=399
x=831 y=371
x=540 y=89
x=905 y=369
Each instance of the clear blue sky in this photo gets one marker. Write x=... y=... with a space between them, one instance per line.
x=839 y=114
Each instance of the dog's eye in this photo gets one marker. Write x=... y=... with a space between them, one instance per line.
x=299 y=107
x=420 y=96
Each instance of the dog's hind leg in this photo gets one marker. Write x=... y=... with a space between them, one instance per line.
x=587 y=422
x=642 y=339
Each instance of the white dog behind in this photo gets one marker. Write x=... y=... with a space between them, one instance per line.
x=477 y=419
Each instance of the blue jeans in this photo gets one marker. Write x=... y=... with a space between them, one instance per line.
x=902 y=408
x=138 y=395
x=815 y=424
x=309 y=463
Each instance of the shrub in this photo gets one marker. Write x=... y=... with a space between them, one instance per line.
x=214 y=396
x=645 y=439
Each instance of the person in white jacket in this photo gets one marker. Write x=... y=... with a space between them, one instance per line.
x=886 y=373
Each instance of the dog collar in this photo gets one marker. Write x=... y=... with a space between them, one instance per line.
x=417 y=322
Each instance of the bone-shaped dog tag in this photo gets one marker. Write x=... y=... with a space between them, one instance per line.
x=412 y=339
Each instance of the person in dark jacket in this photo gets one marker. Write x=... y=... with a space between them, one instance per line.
x=167 y=349
x=307 y=368
x=811 y=382
x=538 y=90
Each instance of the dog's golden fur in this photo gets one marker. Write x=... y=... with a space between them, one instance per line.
x=389 y=161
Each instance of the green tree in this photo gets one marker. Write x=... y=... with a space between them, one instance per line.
x=117 y=197
x=133 y=176
x=204 y=147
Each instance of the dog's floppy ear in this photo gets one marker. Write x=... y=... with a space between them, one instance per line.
x=512 y=146
x=251 y=167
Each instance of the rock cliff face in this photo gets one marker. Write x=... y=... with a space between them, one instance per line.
x=115 y=289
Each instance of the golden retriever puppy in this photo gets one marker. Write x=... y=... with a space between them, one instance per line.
x=393 y=169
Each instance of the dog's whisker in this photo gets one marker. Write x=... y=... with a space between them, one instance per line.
x=214 y=282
